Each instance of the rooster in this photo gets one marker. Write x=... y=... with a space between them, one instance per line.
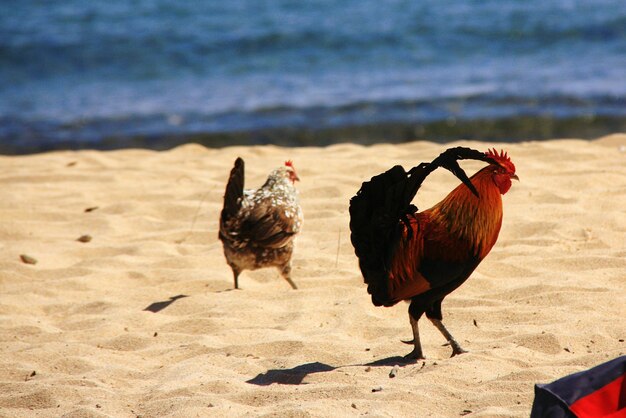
x=423 y=256
x=258 y=227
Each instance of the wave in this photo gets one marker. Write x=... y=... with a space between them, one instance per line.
x=163 y=42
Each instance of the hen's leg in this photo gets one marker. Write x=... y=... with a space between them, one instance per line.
x=236 y=273
x=285 y=271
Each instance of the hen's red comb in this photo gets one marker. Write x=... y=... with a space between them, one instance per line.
x=289 y=163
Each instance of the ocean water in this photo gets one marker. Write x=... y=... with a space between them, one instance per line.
x=115 y=73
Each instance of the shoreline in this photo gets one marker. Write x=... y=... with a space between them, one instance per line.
x=28 y=140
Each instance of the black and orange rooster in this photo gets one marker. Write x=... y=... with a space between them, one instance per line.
x=258 y=227
x=423 y=256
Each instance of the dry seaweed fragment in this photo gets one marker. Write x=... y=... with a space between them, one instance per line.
x=28 y=259
x=84 y=238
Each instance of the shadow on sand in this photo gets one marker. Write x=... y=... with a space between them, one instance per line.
x=159 y=306
x=296 y=375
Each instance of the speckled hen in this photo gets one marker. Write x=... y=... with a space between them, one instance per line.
x=258 y=227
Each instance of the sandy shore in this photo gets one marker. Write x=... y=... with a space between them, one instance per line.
x=76 y=339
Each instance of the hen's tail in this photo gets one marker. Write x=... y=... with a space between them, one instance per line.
x=382 y=203
x=234 y=192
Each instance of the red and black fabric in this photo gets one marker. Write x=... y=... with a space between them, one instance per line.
x=594 y=393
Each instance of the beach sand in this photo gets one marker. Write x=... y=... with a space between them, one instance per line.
x=142 y=321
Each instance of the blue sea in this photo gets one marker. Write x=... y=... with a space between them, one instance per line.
x=156 y=73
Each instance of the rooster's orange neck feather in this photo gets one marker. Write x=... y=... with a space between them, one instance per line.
x=476 y=220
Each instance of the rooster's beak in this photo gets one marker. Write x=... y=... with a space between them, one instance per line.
x=514 y=176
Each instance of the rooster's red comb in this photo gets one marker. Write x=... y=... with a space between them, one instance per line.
x=289 y=163
x=493 y=153
x=502 y=159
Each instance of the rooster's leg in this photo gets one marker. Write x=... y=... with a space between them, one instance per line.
x=456 y=347
x=286 y=273
x=416 y=354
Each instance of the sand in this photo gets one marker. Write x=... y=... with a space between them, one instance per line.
x=141 y=320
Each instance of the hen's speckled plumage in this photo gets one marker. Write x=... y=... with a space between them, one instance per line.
x=258 y=227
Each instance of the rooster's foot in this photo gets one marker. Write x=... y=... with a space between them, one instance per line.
x=458 y=350
x=415 y=355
